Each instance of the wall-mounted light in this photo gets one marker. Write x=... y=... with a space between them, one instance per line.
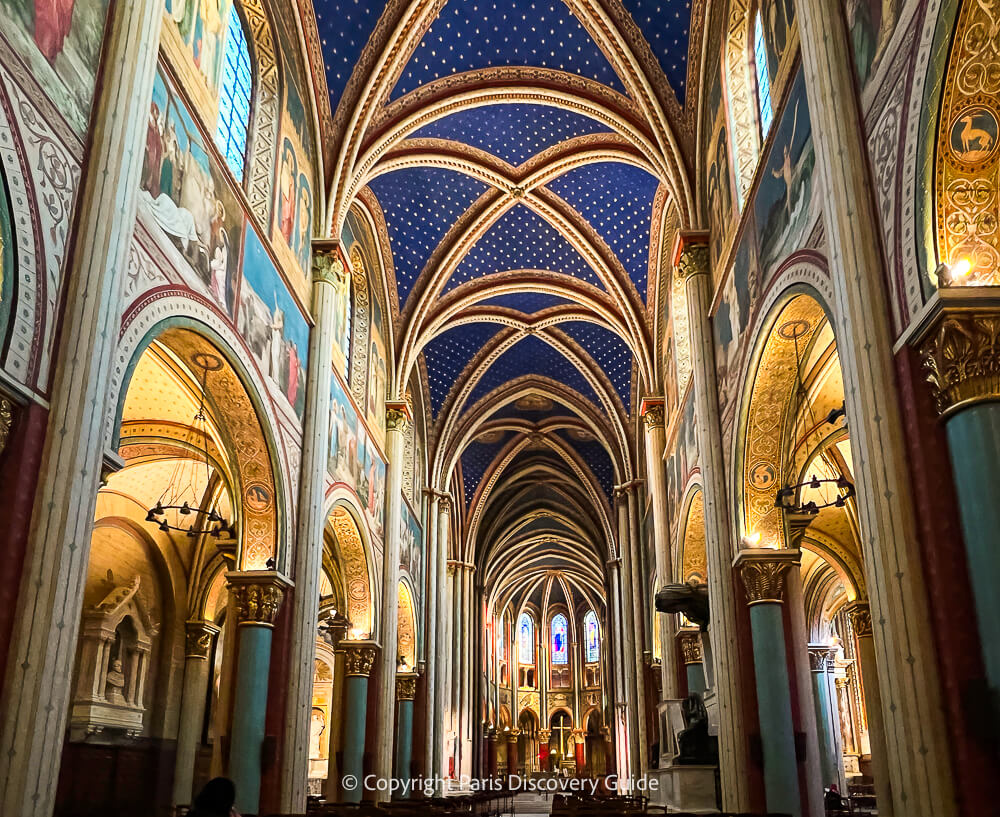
x=750 y=540
x=952 y=274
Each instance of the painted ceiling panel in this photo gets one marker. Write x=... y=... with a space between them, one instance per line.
x=420 y=205
x=527 y=302
x=484 y=33
x=449 y=353
x=517 y=410
x=476 y=458
x=514 y=133
x=608 y=350
x=344 y=28
x=666 y=26
x=595 y=456
x=520 y=239
x=617 y=201
x=532 y=355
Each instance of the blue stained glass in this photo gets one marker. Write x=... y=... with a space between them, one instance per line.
x=526 y=639
x=593 y=637
x=560 y=649
x=234 y=100
x=763 y=81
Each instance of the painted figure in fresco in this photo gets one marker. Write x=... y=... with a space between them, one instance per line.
x=304 y=219
x=208 y=40
x=219 y=261
x=786 y=172
x=862 y=33
x=777 y=16
x=286 y=194
x=53 y=22
x=171 y=154
x=720 y=200
x=316 y=730
x=154 y=151
x=274 y=349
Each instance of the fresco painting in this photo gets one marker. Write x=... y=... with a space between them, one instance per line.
x=411 y=550
x=272 y=324
x=188 y=197
x=353 y=458
x=785 y=204
x=731 y=320
x=61 y=42
x=870 y=24
x=720 y=194
x=202 y=27
x=377 y=372
x=777 y=17
x=342 y=320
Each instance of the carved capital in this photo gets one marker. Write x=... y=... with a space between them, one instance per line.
x=860 y=615
x=359 y=657
x=693 y=260
x=198 y=637
x=328 y=268
x=798 y=524
x=961 y=354
x=819 y=657
x=690 y=642
x=653 y=412
x=544 y=735
x=763 y=573
x=258 y=595
x=406 y=686
x=397 y=416
x=6 y=421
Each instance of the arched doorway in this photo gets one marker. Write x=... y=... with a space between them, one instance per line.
x=527 y=742
x=561 y=741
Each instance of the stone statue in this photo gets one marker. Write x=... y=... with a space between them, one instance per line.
x=114 y=690
x=695 y=746
x=690 y=598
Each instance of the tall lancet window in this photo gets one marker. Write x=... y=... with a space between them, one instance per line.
x=234 y=100
x=525 y=639
x=593 y=637
x=560 y=649
x=500 y=642
x=763 y=81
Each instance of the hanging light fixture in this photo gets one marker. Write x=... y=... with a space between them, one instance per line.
x=785 y=499
x=179 y=506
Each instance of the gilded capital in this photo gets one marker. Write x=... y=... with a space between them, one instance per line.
x=762 y=571
x=818 y=658
x=653 y=413
x=198 y=637
x=328 y=268
x=860 y=615
x=359 y=657
x=961 y=354
x=258 y=595
x=6 y=420
x=690 y=642
x=397 y=416
x=693 y=260
x=406 y=686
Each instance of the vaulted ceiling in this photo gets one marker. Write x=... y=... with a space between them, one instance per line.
x=522 y=154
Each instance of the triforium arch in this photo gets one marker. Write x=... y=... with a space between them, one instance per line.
x=350 y=546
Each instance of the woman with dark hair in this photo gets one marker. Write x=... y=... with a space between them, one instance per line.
x=215 y=799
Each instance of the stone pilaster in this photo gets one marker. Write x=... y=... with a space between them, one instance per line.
x=442 y=624
x=691 y=262
x=198 y=638
x=35 y=700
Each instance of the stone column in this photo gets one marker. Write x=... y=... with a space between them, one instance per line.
x=819 y=656
x=639 y=621
x=690 y=644
x=922 y=781
x=960 y=345
x=441 y=625
x=198 y=637
x=513 y=768
x=258 y=595
x=35 y=700
x=431 y=629
x=406 y=691
x=397 y=417
x=861 y=622
x=359 y=658
x=332 y=787
x=619 y=640
x=653 y=420
x=579 y=749
x=691 y=263
x=492 y=762
x=762 y=571
x=309 y=540
x=631 y=653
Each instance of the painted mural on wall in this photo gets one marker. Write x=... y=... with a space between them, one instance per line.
x=353 y=457
x=194 y=36
x=186 y=195
x=682 y=460
x=60 y=40
x=732 y=318
x=777 y=19
x=870 y=24
x=411 y=550
x=720 y=189
x=272 y=324
x=377 y=372
x=341 y=330
x=294 y=207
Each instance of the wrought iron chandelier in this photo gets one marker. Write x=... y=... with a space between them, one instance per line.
x=786 y=498
x=179 y=506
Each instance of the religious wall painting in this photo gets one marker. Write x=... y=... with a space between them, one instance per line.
x=372 y=485
x=777 y=18
x=188 y=197
x=720 y=193
x=732 y=318
x=870 y=24
x=272 y=324
x=294 y=208
x=785 y=205
x=341 y=329
x=60 y=40
x=411 y=550
x=377 y=370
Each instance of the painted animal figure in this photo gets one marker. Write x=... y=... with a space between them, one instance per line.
x=970 y=135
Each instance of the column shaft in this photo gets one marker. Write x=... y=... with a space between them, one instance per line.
x=921 y=780
x=193 y=694
x=406 y=687
x=861 y=623
x=35 y=700
x=355 y=717
x=639 y=622
x=441 y=652
x=431 y=628
x=385 y=713
x=693 y=263
x=824 y=717
x=249 y=706
x=309 y=540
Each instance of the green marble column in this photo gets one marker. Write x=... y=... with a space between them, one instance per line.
x=762 y=572
x=258 y=595
x=197 y=648
x=359 y=657
x=694 y=666
x=406 y=691
x=819 y=658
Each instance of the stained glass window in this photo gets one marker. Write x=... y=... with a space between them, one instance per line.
x=763 y=81
x=234 y=101
x=560 y=651
x=500 y=641
x=593 y=637
x=526 y=639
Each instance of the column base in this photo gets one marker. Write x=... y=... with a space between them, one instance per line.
x=689 y=789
